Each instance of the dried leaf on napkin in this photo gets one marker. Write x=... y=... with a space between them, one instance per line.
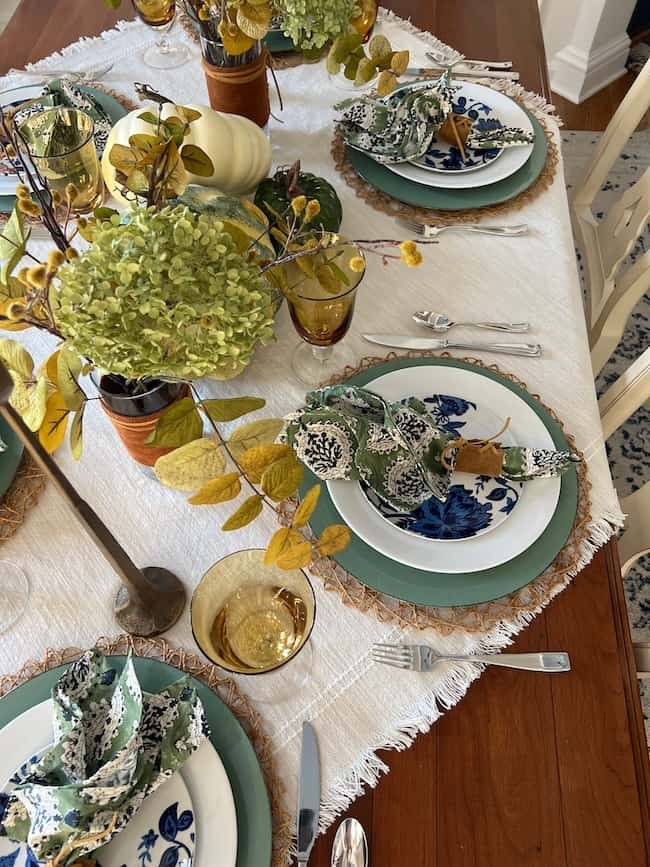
x=113 y=746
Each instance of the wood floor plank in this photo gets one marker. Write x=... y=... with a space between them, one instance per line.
x=499 y=790
x=598 y=776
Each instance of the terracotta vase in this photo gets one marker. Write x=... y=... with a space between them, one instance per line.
x=134 y=423
x=242 y=90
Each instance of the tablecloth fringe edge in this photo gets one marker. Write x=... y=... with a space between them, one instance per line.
x=78 y=47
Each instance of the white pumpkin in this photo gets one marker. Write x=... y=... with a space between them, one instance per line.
x=239 y=150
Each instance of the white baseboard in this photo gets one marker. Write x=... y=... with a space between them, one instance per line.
x=576 y=75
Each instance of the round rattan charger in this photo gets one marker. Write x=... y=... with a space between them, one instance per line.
x=223 y=686
x=520 y=605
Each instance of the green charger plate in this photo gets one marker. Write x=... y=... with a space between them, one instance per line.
x=443 y=589
x=413 y=193
x=9 y=459
x=254 y=837
x=112 y=107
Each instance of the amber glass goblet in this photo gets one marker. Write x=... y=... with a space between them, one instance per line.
x=62 y=148
x=160 y=14
x=322 y=317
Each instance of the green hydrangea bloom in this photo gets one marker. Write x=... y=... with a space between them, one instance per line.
x=312 y=25
x=166 y=292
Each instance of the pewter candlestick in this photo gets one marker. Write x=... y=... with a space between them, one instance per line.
x=150 y=600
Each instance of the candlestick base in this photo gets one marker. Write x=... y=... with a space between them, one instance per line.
x=165 y=601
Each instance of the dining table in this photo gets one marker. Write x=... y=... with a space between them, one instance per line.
x=526 y=770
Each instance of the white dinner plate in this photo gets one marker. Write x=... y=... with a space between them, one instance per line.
x=202 y=783
x=509 y=113
x=527 y=522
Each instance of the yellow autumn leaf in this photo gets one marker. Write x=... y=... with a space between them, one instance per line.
x=15 y=357
x=282 y=479
x=217 y=491
x=230 y=408
x=247 y=512
x=307 y=506
x=179 y=424
x=399 y=62
x=189 y=467
x=68 y=369
x=386 y=83
x=76 y=433
x=254 y=433
x=52 y=430
x=30 y=401
x=254 y=21
x=255 y=461
x=334 y=539
x=281 y=541
x=234 y=40
x=297 y=557
x=50 y=367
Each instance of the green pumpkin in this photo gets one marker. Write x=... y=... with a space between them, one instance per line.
x=275 y=194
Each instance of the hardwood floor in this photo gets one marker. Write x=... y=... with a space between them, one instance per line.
x=596 y=112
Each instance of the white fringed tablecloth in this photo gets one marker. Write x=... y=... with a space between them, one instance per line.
x=357 y=707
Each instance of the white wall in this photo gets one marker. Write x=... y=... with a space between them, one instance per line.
x=586 y=44
x=7 y=8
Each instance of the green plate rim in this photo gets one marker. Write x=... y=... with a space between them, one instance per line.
x=441 y=589
x=254 y=824
x=10 y=459
x=115 y=112
x=438 y=199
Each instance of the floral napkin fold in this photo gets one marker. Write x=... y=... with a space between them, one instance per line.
x=400 y=128
x=347 y=432
x=113 y=745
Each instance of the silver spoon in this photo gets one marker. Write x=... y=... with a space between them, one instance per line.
x=350 y=847
x=440 y=323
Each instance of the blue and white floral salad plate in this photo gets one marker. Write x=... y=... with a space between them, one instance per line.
x=189 y=821
x=443 y=156
x=514 y=531
x=474 y=504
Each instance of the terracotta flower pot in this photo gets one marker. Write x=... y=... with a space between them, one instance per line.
x=242 y=90
x=135 y=417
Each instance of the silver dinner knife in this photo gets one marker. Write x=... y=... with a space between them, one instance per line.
x=308 y=794
x=425 y=344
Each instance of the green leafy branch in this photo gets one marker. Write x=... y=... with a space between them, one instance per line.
x=270 y=470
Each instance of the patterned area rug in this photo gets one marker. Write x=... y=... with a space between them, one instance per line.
x=629 y=448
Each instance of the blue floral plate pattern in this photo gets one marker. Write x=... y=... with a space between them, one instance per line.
x=442 y=156
x=474 y=504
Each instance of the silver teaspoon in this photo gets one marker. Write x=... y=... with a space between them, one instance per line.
x=440 y=323
x=350 y=847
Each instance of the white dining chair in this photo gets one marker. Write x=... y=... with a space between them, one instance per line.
x=612 y=292
x=618 y=403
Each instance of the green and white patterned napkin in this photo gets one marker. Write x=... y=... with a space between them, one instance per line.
x=113 y=745
x=347 y=432
x=398 y=128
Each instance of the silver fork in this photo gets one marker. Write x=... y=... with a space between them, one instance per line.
x=420 y=657
x=428 y=231
x=76 y=75
x=438 y=57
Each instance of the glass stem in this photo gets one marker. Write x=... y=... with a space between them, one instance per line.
x=322 y=353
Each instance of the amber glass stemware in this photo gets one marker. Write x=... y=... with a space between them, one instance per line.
x=160 y=14
x=322 y=315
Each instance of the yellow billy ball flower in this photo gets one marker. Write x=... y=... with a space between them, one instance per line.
x=55 y=258
x=313 y=209
x=413 y=259
x=56 y=198
x=358 y=264
x=22 y=276
x=71 y=254
x=298 y=205
x=37 y=276
x=15 y=311
x=408 y=248
x=23 y=192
